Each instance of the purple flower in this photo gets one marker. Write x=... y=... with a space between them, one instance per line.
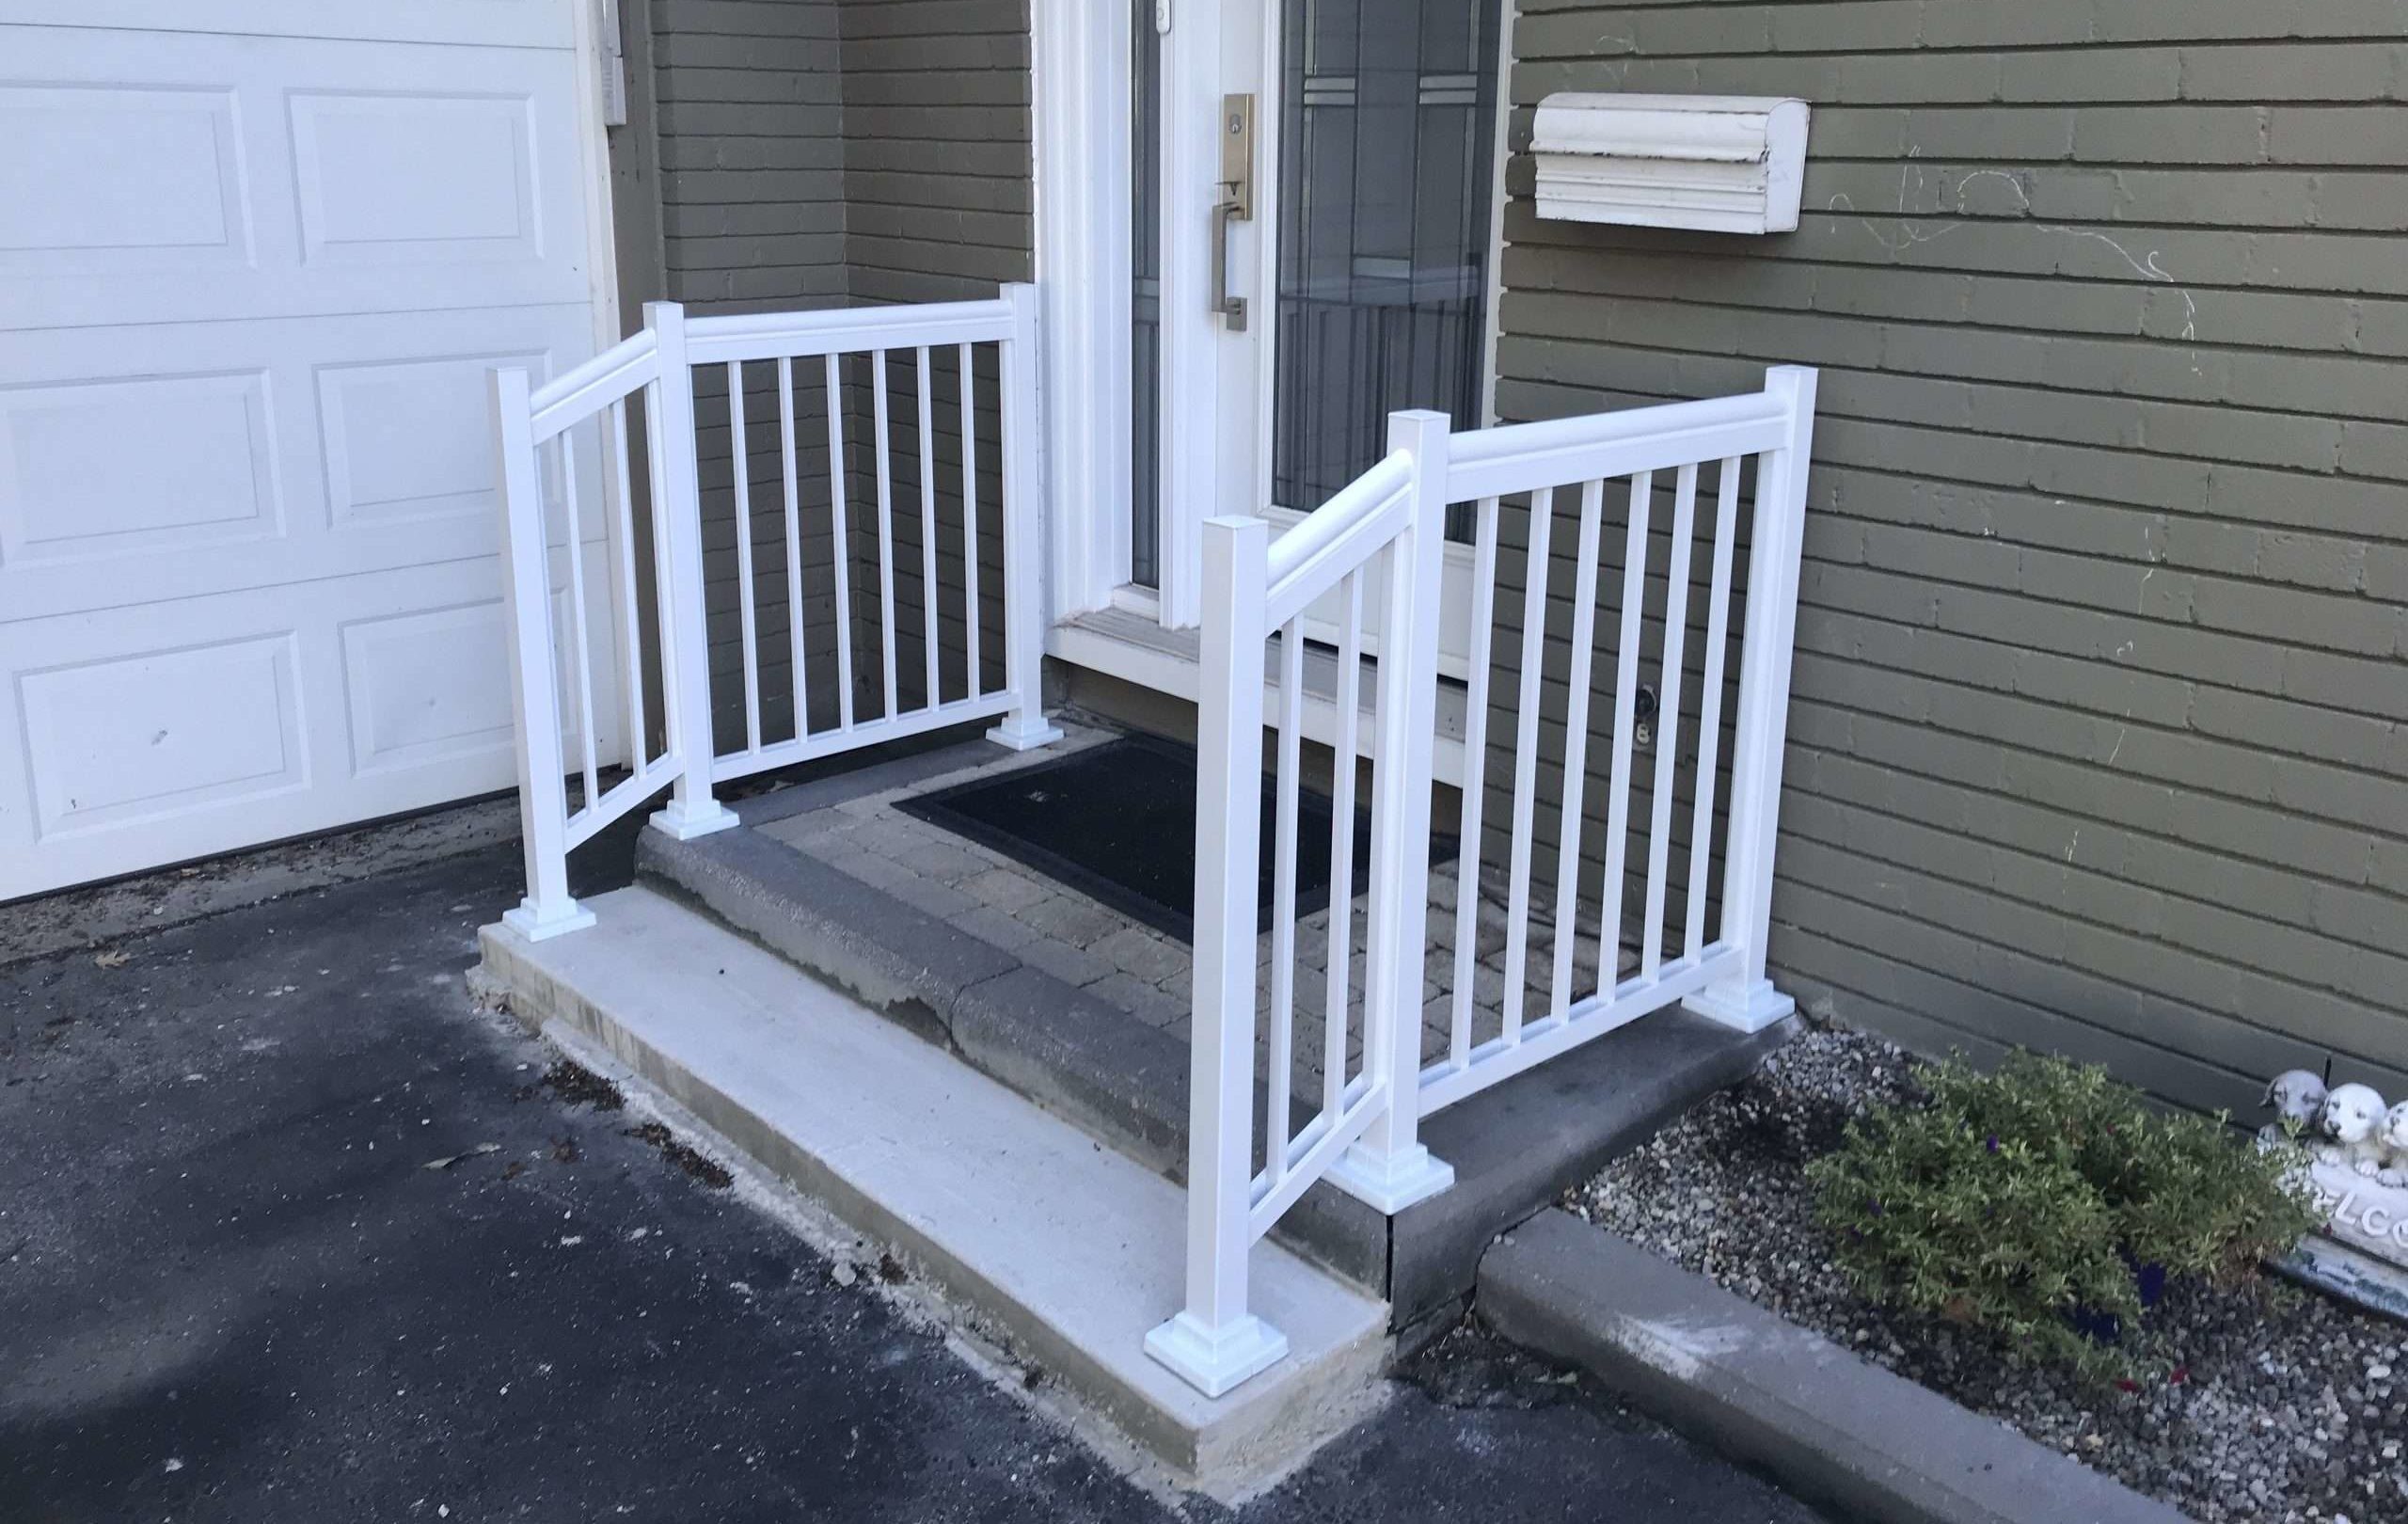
x=1992 y=1143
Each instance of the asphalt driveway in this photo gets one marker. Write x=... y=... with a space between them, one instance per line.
x=232 y=1287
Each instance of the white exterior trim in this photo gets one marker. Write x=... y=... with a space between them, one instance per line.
x=1508 y=13
x=1079 y=83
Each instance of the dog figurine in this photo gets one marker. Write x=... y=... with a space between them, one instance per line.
x=2351 y=1120
x=2392 y=1135
x=2295 y=1095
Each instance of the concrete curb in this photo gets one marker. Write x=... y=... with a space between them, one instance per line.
x=1823 y=1423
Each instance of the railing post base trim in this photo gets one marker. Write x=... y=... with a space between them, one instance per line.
x=1213 y=1360
x=1024 y=732
x=1389 y=1183
x=1743 y=1005
x=678 y=819
x=536 y=922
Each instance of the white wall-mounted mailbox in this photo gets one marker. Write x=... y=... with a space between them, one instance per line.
x=1716 y=163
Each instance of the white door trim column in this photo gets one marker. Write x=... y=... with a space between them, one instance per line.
x=1079 y=67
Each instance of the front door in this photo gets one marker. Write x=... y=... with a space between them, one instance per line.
x=1280 y=321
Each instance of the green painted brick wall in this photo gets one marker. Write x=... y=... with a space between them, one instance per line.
x=2096 y=738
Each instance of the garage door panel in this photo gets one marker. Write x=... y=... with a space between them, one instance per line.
x=423 y=686
x=104 y=180
x=409 y=440
x=71 y=491
x=500 y=23
x=126 y=737
x=216 y=723
x=146 y=463
x=274 y=177
x=415 y=178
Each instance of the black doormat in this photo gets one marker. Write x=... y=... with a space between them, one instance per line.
x=1117 y=823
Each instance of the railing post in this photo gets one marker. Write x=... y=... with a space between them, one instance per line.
x=1388 y=1167
x=1746 y=998
x=527 y=605
x=1025 y=529
x=685 y=636
x=1215 y=1343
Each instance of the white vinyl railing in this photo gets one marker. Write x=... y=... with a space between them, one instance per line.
x=1380 y=537
x=854 y=681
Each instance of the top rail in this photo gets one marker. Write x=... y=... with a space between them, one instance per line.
x=1339 y=536
x=1525 y=457
x=580 y=393
x=752 y=336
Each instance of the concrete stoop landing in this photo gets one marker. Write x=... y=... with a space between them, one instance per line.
x=1064 y=1249
x=1003 y=1000
x=925 y=1066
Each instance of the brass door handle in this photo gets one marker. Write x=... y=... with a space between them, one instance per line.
x=1227 y=306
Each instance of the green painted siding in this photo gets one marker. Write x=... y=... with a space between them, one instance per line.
x=831 y=153
x=2096 y=741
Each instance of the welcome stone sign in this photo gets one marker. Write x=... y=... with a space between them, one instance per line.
x=2362 y=1211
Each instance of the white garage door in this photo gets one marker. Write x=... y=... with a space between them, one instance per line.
x=256 y=257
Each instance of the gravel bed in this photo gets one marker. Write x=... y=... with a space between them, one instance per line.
x=2281 y=1404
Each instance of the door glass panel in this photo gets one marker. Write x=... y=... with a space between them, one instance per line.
x=1387 y=141
x=1146 y=265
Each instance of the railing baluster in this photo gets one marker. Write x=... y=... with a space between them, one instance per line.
x=1283 y=893
x=584 y=653
x=930 y=697
x=843 y=549
x=794 y=548
x=885 y=525
x=1342 y=840
x=1575 y=748
x=1633 y=598
x=637 y=754
x=970 y=610
x=1525 y=761
x=1667 y=717
x=750 y=659
x=1483 y=613
x=1709 y=733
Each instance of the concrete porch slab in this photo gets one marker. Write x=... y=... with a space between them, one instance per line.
x=1036 y=986
x=1068 y=1250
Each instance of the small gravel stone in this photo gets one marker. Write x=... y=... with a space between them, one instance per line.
x=2278 y=1407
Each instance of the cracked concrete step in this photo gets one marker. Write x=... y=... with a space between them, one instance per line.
x=1069 y=1250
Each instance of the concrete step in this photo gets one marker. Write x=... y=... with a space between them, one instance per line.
x=1067 y=1250
x=1515 y=1147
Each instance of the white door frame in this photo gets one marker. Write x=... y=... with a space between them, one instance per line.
x=1078 y=87
x=1217 y=388
x=1080 y=53
x=594 y=151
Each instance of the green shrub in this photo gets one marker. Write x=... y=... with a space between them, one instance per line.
x=2021 y=1199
